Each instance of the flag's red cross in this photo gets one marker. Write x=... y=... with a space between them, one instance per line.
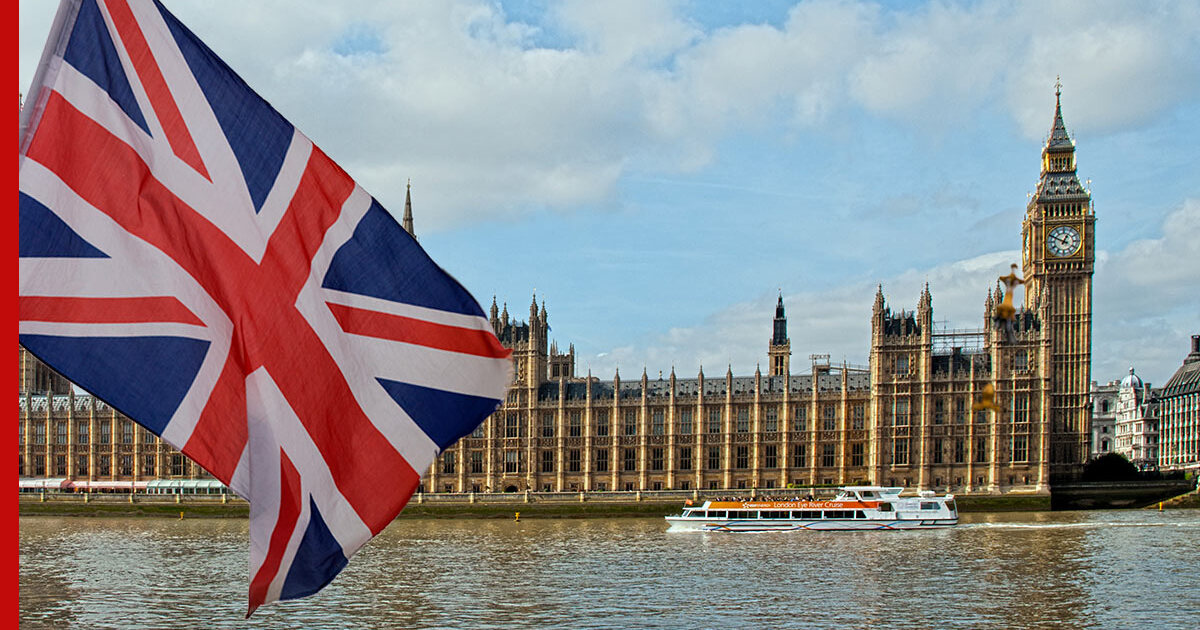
x=258 y=297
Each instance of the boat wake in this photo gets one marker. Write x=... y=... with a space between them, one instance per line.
x=1085 y=525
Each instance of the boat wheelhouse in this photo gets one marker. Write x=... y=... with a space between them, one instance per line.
x=853 y=508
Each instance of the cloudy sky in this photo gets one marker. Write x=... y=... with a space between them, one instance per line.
x=659 y=171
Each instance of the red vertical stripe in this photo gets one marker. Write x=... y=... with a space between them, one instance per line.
x=289 y=513
x=155 y=85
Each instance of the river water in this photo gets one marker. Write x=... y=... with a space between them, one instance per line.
x=1101 y=569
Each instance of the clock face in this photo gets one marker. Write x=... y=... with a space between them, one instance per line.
x=1063 y=241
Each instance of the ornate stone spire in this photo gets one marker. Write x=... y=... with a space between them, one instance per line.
x=779 y=332
x=1059 y=181
x=408 y=218
x=1059 y=138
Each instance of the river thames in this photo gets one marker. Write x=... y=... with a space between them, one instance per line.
x=1101 y=569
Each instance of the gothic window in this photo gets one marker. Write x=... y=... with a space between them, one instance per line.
x=939 y=411
x=800 y=418
x=770 y=456
x=176 y=465
x=714 y=420
x=960 y=410
x=1021 y=408
x=900 y=451
x=512 y=461
x=937 y=450
x=799 y=456
x=630 y=456
x=960 y=448
x=981 y=450
x=771 y=422
x=573 y=460
x=39 y=434
x=602 y=422
x=743 y=457
x=829 y=417
x=860 y=417
x=630 y=424
x=147 y=436
x=512 y=427
x=656 y=458
x=60 y=435
x=148 y=465
x=104 y=466
x=1020 y=361
x=60 y=465
x=856 y=454
x=575 y=424
x=547 y=461
x=602 y=458
x=1020 y=448
x=901 y=365
x=548 y=425
x=829 y=455
x=714 y=458
x=126 y=432
x=476 y=462
x=479 y=431
x=448 y=462
x=657 y=422
x=901 y=417
x=81 y=466
x=743 y=419
x=685 y=421
x=685 y=458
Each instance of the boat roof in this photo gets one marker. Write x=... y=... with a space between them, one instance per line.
x=879 y=489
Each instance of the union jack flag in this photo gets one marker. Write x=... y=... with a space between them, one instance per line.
x=191 y=258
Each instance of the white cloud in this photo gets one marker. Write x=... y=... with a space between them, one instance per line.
x=1145 y=309
x=1147 y=303
x=461 y=98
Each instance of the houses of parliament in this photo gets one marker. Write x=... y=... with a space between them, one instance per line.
x=910 y=418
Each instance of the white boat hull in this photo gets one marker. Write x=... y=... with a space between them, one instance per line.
x=677 y=523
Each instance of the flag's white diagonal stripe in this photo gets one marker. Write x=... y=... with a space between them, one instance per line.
x=446 y=318
x=430 y=367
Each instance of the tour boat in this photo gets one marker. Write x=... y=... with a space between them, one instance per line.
x=853 y=508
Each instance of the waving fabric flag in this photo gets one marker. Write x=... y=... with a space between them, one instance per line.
x=192 y=259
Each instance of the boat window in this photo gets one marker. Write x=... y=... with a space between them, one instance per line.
x=716 y=513
x=868 y=494
x=860 y=514
x=929 y=505
x=885 y=507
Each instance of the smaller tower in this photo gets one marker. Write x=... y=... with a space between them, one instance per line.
x=408 y=218
x=779 y=351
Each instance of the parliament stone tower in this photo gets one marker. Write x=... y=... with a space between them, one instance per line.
x=1059 y=257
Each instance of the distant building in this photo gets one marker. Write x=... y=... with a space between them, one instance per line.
x=909 y=418
x=1136 y=422
x=1179 y=415
x=1104 y=416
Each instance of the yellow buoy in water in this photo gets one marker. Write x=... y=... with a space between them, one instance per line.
x=517 y=517
x=181 y=516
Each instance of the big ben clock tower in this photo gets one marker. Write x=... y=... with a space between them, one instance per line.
x=1058 y=253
